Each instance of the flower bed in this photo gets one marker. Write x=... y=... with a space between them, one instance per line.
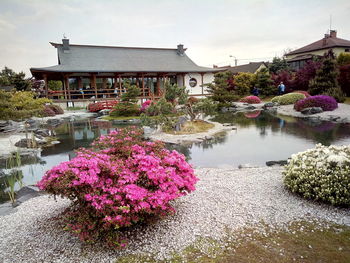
x=251 y=100
x=325 y=102
x=289 y=98
x=101 y=105
x=321 y=174
x=122 y=181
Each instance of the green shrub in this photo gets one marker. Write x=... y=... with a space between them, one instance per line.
x=321 y=174
x=162 y=106
x=289 y=98
x=243 y=82
x=20 y=105
x=125 y=109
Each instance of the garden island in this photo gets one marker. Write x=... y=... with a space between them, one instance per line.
x=125 y=154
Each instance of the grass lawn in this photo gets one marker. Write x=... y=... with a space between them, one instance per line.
x=195 y=126
x=301 y=242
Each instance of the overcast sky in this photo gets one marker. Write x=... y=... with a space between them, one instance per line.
x=212 y=30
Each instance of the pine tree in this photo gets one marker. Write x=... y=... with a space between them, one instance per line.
x=222 y=90
x=326 y=79
x=264 y=83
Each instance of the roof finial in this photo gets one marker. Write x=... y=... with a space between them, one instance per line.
x=64 y=35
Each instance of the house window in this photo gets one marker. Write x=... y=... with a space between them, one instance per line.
x=193 y=82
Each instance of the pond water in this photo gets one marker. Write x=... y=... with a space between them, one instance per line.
x=258 y=137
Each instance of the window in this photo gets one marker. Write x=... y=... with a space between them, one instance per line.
x=193 y=82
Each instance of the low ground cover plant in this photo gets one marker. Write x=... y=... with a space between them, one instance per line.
x=321 y=174
x=251 y=100
x=122 y=181
x=325 y=102
x=289 y=98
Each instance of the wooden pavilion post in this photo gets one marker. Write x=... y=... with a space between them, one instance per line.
x=120 y=84
x=158 y=85
x=183 y=79
x=143 y=85
x=64 y=88
x=80 y=87
x=93 y=83
x=46 y=86
x=66 y=84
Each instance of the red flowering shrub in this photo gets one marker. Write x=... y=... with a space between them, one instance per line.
x=302 y=92
x=325 y=102
x=48 y=111
x=124 y=180
x=145 y=105
x=101 y=105
x=251 y=100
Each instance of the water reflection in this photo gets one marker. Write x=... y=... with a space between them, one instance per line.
x=259 y=137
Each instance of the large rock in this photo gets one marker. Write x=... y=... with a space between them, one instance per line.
x=180 y=122
x=269 y=105
x=311 y=110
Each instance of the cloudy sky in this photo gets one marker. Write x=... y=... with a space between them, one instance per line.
x=212 y=30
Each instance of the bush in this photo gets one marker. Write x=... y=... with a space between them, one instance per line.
x=289 y=98
x=302 y=92
x=243 y=82
x=160 y=107
x=20 y=105
x=251 y=100
x=48 y=111
x=125 y=180
x=56 y=109
x=320 y=174
x=145 y=105
x=125 y=109
x=327 y=103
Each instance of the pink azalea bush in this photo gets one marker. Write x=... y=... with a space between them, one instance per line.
x=145 y=105
x=325 y=102
x=251 y=100
x=123 y=180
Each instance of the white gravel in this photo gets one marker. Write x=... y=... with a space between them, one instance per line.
x=341 y=114
x=224 y=199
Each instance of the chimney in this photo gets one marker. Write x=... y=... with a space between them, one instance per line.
x=333 y=33
x=324 y=43
x=180 y=50
x=65 y=42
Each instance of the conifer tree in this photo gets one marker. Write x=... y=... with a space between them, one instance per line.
x=326 y=79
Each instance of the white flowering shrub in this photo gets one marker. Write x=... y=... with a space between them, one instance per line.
x=322 y=174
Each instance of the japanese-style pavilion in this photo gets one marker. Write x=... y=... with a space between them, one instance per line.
x=98 y=72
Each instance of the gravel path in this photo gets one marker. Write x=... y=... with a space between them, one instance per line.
x=224 y=198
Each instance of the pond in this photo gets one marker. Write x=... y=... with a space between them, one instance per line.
x=258 y=137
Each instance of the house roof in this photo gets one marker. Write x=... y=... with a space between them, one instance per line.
x=324 y=43
x=89 y=58
x=252 y=67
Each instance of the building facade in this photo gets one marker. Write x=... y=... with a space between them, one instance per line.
x=99 y=72
x=297 y=58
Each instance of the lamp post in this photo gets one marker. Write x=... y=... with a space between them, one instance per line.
x=231 y=56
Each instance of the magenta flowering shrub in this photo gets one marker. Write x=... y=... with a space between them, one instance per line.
x=122 y=181
x=251 y=100
x=145 y=105
x=325 y=102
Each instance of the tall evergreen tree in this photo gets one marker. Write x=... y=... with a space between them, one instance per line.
x=326 y=79
x=264 y=83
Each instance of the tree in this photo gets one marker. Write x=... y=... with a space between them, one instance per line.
x=305 y=74
x=10 y=78
x=222 y=90
x=264 y=83
x=54 y=85
x=244 y=82
x=131 y=94
x=277 y=65
x=326 y=79
x=343 y=59
x=344 y=79
x=175 y=94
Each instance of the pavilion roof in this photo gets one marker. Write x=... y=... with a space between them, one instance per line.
x=89 y=58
